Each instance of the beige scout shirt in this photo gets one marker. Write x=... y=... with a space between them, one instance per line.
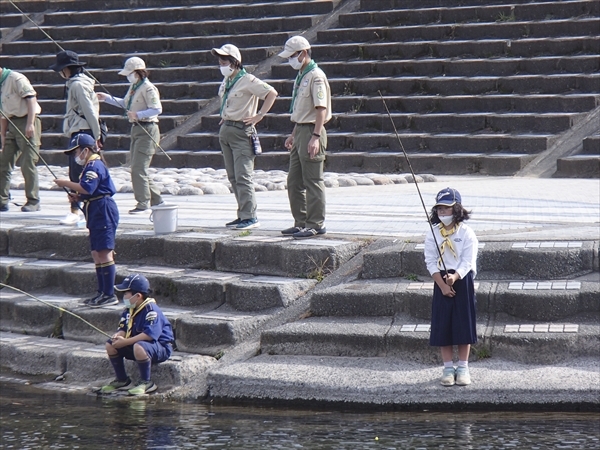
x=242 y=101
x=14 y=90
x=313 y=91
x=145 y=97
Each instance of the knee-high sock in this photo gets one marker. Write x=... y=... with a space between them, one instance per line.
x=144 y=367
x=99 y=277
x=119 y=367
x=109 y=270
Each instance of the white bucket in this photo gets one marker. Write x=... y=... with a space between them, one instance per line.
x=164 y=218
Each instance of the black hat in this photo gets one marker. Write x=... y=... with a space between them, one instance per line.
x=66 y=59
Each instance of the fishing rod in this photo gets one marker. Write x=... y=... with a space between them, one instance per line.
x=415 y=181
x=62 y=310
x=38 y=155
x=87 y=72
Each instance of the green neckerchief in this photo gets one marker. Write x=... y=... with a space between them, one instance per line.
x=131 y=92
x=228 y=85
x=311 y=65
x=5 y=73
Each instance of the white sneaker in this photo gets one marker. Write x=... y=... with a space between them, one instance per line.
x=71 y=219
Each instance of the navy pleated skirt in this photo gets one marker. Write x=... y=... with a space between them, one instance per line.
x=453 y=319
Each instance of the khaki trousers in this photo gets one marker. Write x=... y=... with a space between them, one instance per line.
x=141 y=150
x=238 y=156
x=306 y=189
x=17 y=148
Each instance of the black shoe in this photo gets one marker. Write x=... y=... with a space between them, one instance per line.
x=104 y=300
x=137 y=210
x=4 y=208
x=308 y=233
x=291 y=231
x=93 y=299
x=233 y=223
x=28 y=207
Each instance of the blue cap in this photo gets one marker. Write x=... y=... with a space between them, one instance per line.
x=134 y=282
x=81 y=140
x=447 y=197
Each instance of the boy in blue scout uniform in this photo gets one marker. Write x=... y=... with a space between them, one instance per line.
x=144 y=335
x=95 y=189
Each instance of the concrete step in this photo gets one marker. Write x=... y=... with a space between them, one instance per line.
x=424 y=104
x=586 y=26
x=402 y=13
x=181 y=107
x=484 y=48
x=117 y=124
x=87 y=364
x=541 y=300
x=154 y=44
x=432 y=67
x=187 y=13
x=408 y=338
x=396 y=382
x=428 y=123
x=591 y=145
x=496 y=260
x=224 y=252
x=484 y=143
x=578 y=166
x=175 y=29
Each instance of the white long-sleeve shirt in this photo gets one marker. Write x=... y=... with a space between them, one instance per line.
x=465 y=244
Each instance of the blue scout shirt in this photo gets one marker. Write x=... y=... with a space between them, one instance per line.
x=147 y=318
x=100 y=209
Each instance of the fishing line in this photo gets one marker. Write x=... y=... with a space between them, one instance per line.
x=62 y=310
x=38 y=155
x=87 y=73
x=415 y=181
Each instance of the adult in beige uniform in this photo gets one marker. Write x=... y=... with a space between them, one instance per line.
x=240 y=93
x=310 y=111
x=18 y=102
x=142 y=104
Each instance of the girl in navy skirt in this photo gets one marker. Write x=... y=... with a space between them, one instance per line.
x=95 y=189
x=453 y=315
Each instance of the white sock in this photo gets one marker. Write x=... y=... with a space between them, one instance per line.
x=463 y=363
x=448 y=364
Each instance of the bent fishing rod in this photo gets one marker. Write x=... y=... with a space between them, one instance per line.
x=415 y=181
x=62 y=310
x=38 y=155
x=87 y=72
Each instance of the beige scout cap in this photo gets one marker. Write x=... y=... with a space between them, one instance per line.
x=228 y=50
x=132 y=64
x=293 y=45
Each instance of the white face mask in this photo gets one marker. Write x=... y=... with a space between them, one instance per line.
x=132 y=77
x=446 y=220
x=293 y=61
x=80 y=159
x=226 y=71
x=127 y=302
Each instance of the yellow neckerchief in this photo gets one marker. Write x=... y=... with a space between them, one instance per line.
x=93 y=157
x=447 y=242
x=133 y=312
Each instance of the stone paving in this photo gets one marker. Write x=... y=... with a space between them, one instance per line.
x=523 y=209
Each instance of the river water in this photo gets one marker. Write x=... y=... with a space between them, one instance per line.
x=32 y=418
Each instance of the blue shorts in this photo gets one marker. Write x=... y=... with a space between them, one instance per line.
x=102 y=238
x=453 y=319
x=156 y=351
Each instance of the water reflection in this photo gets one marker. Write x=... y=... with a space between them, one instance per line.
x=34 y=419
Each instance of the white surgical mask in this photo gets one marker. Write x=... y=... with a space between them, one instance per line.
x=446 y=220
x=226 y=71
x=293 y=61
x=127 y=301
x=132 y=77
x=80 y=159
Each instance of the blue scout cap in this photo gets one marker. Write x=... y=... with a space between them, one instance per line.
x=447 y=197
x=81 y=140
x=134 y=282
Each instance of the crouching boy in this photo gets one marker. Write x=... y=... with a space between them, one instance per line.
x=144 y=336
